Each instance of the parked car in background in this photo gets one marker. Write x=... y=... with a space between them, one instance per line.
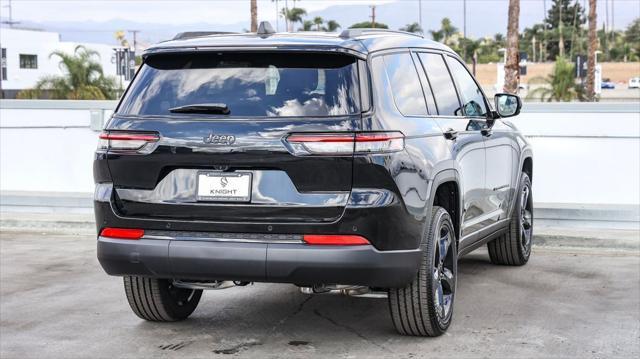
x=634 y=82
x=363 y=163
x=607 y=84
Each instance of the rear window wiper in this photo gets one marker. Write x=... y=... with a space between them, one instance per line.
x=215 y=108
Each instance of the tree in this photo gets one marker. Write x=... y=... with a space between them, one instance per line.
x=632 y=38
x=332 y=26
x=318 y=22
x=447 y=30
x=591 y=57
x=307 y=25
x=564 y=20
x=413 y=27
x=121 y=37
x=561 y=85
x=368 y=25
x=82 y=79
x=512 y=65
x=254 y=15
x=532 y=40
x=293 y=15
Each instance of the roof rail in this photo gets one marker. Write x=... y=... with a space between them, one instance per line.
x=192 y=34
x=351 y=33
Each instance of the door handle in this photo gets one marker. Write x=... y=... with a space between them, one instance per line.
x=450 y=134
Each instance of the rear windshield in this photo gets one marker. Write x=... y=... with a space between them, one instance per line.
x=249 y=84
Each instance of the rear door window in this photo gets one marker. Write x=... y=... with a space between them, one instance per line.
x=273 y=84
x=441 y=83
x=405 y=86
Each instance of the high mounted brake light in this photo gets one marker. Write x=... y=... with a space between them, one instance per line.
x=126 y=141
x=302 y=144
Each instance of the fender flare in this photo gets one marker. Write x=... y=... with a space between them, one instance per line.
x=448 y=175
x=526 y=153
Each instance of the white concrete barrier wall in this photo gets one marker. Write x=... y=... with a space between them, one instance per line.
x=583 y=153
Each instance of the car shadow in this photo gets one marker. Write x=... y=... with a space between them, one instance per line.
x=268 y=314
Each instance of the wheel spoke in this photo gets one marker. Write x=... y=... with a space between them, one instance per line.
x=447 y=277
x=439 y=299
x=443 y=243
x=525 y=197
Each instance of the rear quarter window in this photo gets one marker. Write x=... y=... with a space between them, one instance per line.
x=249 y=84
x=405 y=86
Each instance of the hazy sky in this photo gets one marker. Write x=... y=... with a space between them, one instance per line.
x=81 y=20
x=156 y=11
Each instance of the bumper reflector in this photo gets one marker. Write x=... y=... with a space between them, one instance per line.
x=122 y=233
x=335 y=240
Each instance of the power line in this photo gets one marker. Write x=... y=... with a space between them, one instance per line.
x=10 y=22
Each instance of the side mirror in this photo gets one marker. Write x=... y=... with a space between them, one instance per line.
x=507 y=105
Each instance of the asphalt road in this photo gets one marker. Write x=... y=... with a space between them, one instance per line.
x=56 y=302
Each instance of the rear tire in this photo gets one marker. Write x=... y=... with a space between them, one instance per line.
x=157 y=300
x=514 y=247
x=425 y=306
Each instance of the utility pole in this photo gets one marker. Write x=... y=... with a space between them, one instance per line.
x=543 y=43
x=373 y=15
x=560 y=23
x=286 y=15
x=277 y=17
x=10 y=22
x=420 y=14
x=464 y=18
x=135 y=38
x=533 y=46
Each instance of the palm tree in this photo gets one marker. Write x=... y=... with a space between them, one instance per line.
x=512 y=65
x=561 y=84
x=332 y=26
x=414 y=27
x=293 y=15
x=447 y=30
x=307 y=25
x=318 y=22
x=591 y=57
x=83 y=78
x=254 y=15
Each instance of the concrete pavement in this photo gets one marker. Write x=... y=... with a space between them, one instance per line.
x=56 y=302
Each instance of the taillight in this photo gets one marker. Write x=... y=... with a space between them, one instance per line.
x=126 y=141
x=122 y=233
x=344 y=143
x=335 y=240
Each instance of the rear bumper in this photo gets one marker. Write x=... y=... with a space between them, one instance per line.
x=295 y=263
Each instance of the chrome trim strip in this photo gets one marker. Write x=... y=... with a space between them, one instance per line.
x=224 y=237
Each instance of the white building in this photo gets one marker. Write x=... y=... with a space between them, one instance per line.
x=25 y=57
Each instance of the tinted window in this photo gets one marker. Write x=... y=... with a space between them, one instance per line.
x=406 y=88
x=250 y=84
x=28 y=61
x=472 y=98
x=441 y=84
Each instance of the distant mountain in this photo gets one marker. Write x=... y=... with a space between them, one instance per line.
x=484 y=18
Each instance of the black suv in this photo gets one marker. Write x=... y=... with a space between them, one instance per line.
x=364 y=163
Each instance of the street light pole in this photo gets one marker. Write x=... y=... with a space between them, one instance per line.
x=373 y=16
x=420 y=14
x=464 y=18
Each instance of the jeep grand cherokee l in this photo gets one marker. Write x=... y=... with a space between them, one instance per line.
x=362 y=163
